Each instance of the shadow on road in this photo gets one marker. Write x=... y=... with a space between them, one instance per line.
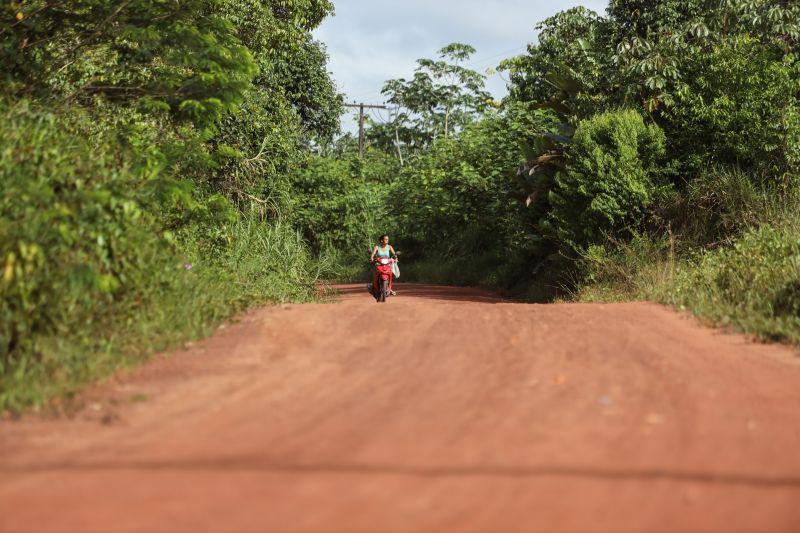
x=499 y=471
x=430 y=292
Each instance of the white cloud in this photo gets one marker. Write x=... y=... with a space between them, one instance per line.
x=371 y=41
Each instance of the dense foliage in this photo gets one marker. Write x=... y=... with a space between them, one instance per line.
x=611 y=179
x=165 y=164
x=661 y=130
x=147 y=153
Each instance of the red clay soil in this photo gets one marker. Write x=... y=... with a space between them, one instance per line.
x=441 y=410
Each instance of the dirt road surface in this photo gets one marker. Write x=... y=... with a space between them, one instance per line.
x=441 y=410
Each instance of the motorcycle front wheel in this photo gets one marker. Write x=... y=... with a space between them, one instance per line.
x=384 y=289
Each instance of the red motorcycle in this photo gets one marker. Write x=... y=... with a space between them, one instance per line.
x=383 y=278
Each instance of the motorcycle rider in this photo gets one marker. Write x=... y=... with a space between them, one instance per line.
x=383 y=249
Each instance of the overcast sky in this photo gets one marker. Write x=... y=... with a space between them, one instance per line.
x=371 y=41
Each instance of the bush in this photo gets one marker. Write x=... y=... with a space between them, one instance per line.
x=753 y=286
x=337 y=205
x=720 y=204
x=73 y=236
x=625 y=270
x=611 y=179
x=91 y=281
x=739 y=108
x=147 y=149
x=454 y=200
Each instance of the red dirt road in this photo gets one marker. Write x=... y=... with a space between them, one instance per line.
x=443 y=409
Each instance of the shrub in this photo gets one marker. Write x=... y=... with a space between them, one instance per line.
x=753 y=286
x=90 y=279
x=337 y=208
x=722 y=203
x=738 y=108
x=611 y=179
x=72 y=234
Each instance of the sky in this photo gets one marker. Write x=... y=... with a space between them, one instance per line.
x=371 y=41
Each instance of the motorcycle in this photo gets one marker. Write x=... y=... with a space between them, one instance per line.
x=385 y=275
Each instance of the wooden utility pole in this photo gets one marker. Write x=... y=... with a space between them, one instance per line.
x=361 y=108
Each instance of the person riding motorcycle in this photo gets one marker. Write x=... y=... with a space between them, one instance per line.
x=384 y=249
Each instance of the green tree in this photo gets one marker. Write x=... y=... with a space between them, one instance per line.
x=612 y=179
x=291 y=62
x=658 y=43
x=442 y=97
x=740 y=108
x=575 y=39
x=180 y=56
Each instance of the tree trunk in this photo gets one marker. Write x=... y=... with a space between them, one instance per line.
x=397 y=144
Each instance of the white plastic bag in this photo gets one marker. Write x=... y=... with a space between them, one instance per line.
x=395 y=270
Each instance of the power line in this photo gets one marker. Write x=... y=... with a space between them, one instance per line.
x=361 y=108
x=485 y=59
x=380 y=116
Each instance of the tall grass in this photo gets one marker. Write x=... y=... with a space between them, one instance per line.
x=735 y=260
x=724 y=202
x=752 y=286
x=266 y=263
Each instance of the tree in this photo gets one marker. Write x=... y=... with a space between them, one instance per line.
x=441 y=98
x=658 y=43
x=291 y=62
x=177 y=56
x=575 y=38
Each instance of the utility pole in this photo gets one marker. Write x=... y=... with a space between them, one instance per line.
x=361 y=108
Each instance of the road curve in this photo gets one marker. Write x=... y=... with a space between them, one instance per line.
x=441 y=410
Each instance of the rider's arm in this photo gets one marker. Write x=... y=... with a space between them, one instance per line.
x=394 y=254
x=374 y=251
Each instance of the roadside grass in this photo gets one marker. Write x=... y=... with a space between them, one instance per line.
x=345 y=267
x=186 y=300
x=753 y=286
x=749 y=280
x=104 y=262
